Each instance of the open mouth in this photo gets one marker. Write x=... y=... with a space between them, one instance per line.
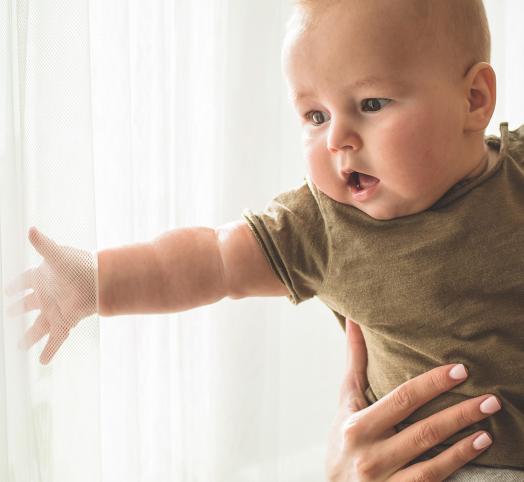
x=360 y=181
x=354 y=180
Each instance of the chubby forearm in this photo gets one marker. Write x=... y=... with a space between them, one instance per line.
x=178 y=270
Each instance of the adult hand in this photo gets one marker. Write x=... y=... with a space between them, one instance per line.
x=363 y=443
x=65 y=291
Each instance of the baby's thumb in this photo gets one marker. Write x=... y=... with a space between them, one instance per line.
x=357 y=355
x=45 y=246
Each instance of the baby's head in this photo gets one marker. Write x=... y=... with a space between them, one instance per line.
x=418 y=124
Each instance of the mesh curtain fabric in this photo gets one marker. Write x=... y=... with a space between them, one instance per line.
x=120 y=120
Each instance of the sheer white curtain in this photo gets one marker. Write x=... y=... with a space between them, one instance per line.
x=507 y=54
x=120 y=120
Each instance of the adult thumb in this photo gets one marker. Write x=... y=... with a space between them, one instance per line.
x=357 y=355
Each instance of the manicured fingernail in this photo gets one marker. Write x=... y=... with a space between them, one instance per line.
x=482 y=441
x=458 y=372
x=490 y=405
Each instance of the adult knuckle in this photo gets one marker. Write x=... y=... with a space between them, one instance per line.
x=426 y=436
x=352 y=430
x=366 y=467
x=354 y=403
x=438 y=380
x=464 y=417
x=461 y=454
x=403 y=397
x=426 y=474
x=350 y=435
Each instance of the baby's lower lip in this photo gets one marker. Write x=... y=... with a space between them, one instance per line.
x=365 y=194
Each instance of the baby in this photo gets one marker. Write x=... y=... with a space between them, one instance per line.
x=409 y=221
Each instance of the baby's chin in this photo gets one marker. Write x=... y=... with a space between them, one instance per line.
x=386 y=216
x=383 y=211
x=384 y=207
x=382 y=204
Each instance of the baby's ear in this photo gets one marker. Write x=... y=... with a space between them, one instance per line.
x=481 y=89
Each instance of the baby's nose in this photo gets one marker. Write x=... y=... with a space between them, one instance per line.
x=342 y=141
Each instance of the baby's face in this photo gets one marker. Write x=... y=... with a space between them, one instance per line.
x=405 y=130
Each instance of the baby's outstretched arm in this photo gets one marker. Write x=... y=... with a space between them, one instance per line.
x=179 y=270
x=183 y=269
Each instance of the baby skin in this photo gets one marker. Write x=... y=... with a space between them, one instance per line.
x=391 y=121
x=380 y=104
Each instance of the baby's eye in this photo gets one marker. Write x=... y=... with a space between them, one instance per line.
x=373 y=104
x=316 y=117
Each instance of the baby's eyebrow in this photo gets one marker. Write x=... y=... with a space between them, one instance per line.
x=369 y=81
x=365 y=82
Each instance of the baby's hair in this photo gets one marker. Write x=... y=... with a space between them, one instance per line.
x=463 y=23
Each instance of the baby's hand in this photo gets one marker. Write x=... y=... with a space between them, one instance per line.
x=65 y=291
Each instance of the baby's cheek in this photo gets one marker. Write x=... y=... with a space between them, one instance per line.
x=316 y=157
x=313 y=146
x=316 y=170
x=323 y=176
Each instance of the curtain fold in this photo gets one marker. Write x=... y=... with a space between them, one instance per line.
x=120 y=120
x=47 y=181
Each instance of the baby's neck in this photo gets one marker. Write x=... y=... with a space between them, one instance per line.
x=488 y=160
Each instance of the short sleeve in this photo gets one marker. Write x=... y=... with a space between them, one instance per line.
x=293 y=236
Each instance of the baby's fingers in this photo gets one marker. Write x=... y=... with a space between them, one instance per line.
x=448 y=462
x=56 y=338
x=34 y=334
x=45 y=246
x=27 y=303
x=23 y=282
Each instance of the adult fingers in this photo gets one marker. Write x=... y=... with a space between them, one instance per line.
x=408 y=397
x=439 y=468
x=45 y=246
x=419 y=437
x=355 y=380
x=356 y=356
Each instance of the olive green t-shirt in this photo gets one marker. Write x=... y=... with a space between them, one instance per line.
x=445 y=285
